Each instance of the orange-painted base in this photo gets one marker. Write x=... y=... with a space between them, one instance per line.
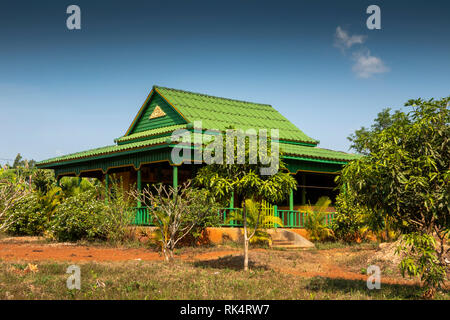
x=211 y=235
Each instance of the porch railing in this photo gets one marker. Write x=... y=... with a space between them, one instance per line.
x=225 y=215
x=290 y=218
x=142 y=217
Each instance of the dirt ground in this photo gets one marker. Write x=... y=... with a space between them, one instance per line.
x=340 y=263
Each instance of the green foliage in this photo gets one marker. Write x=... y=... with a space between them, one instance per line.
x=72 y=186
x=406 y=173
x=245 y=180
x=117 y=214
x=28 y=217
x=315 y=220
x=202 y=199
x=422 y=261
x=43 y=180
x=350 y=221
x=363 y=140
x=256 y=220
x=81 y=216
x=178 y=212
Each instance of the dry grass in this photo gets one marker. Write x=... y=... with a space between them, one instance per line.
x=220 y=278
x=332 y=271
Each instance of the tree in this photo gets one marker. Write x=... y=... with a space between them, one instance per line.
x=245 y=181
x=11 y=192
x=315 y=222
x=256 y=220
x=406 y=175
x=176 y=211
x=18 y=162
x=363 y=139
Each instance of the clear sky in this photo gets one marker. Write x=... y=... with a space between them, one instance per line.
x=63 y=91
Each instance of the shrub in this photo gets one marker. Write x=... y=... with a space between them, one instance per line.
x=350 y=221
x=27 y=217
x=81 y=216
x=315 y=220
x=118 y=213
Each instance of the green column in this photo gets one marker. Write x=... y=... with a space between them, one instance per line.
x=58 y=181
x=139 y=185
x=291 y=200
x=175 y=177
x=232 y=200
x=107 y=187
x=303 y=189
x=79 y=181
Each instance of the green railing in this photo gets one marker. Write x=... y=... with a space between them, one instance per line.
x=290 y=218
x=224 y=217
x=142 y=218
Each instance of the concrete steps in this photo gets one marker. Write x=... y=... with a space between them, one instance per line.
x=285 y=239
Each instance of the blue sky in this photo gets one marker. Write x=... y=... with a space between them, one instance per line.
x=63 y=91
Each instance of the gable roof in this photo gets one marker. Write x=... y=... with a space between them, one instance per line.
x=182 y=108
x=221 y=113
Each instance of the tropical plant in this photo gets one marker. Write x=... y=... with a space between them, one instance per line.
x=422 y=261
x=72 y=186
x=81 y=216
x=258 y=219
x=246 y=180
x=315 y=220
x=12 y=191
x=43 y=180
x=176 y=211
x=406 y=176
x=117 y=215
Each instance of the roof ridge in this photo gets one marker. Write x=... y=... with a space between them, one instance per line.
x=211 y=96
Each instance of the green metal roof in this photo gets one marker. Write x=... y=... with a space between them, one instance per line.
x=220 y=113
x=149 y=134
x=215 y=113
x=316 y=153
x=106 y=150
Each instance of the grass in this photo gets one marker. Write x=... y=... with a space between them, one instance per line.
x=183 y=280
x=344 y=245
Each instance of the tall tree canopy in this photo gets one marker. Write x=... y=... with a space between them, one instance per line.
x=246 y=182
x=405 y=174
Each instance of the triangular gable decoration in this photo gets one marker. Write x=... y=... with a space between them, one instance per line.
x=157 y=113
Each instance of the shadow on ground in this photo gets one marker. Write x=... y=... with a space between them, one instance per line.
x=386 y=291
x=232 y=262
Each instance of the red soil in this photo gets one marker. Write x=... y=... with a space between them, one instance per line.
x=23 y=250
x=67 y=252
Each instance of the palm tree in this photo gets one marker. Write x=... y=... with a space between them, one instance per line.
x=315 y=221
x=259 y=217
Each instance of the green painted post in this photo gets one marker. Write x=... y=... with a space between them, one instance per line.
x=79 y=181
x=232 y=200
x=139 y=186
x=175 y=178
x=291 y=200
x=107 y=187
x=303 y=189
x=275 y=213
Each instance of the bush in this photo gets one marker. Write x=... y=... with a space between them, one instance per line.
x=81 y=216
x=28 y=217
x=315 y=221
x=350 y=221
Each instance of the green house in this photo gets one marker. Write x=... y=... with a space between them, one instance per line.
x=142 y=156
